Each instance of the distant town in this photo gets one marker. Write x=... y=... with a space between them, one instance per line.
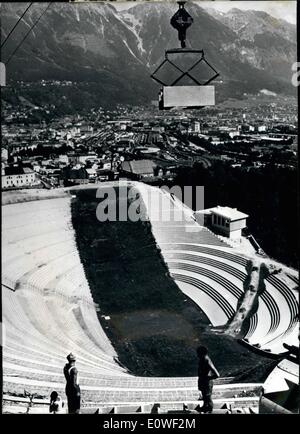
x=43 y=150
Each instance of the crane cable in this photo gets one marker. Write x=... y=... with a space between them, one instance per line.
x=6 y=39
x=26 y=35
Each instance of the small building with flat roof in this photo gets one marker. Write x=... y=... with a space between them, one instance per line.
x=224 y=220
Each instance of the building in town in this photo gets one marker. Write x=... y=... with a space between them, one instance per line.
x=139 y=168
x=75 y=175
x=19 y=177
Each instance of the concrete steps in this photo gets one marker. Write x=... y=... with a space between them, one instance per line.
x=221 y=406
x=113 y=396
x=197 y=265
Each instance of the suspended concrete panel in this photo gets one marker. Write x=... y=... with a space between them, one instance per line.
x=188 y=96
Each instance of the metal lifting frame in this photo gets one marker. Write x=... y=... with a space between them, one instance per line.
x=187 y=72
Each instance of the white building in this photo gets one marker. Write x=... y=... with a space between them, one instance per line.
x=224 y=220
x=228 y=220
x=19 y=177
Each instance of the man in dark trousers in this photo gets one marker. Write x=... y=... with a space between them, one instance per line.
x=72 y=386
x=206 y=374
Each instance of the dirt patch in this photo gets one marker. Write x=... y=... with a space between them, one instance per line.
x=153 y=326
x=146 y=323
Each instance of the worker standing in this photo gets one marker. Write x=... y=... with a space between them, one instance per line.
x=72 y=386
x=206 y=374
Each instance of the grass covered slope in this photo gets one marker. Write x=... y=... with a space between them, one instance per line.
x=153 y=326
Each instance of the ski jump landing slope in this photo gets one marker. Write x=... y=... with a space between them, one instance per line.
x=48 y=310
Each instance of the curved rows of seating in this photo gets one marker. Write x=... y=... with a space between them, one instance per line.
x=56 y=330
x=289 y=296
x=252 y=325
x=192 y=247
x=223 y=284
x=116 y=395
x=277 y=303
x=48 y=311
x=37 y=367
x=44 y=362
x=274 y=280
x=231 y=273
x=28 y=312
x=293 y=278
x=207 y=289
x=209 y=262
x=212 y=275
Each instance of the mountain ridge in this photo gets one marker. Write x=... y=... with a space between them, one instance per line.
x=119 y=50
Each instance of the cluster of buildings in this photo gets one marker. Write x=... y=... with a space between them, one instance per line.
x=138 y=142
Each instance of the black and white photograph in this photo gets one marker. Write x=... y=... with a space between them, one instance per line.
x=149 y=231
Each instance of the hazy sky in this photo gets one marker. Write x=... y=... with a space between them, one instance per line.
x=284 y=9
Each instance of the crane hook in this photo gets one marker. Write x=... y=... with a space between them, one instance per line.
x=181 y=21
